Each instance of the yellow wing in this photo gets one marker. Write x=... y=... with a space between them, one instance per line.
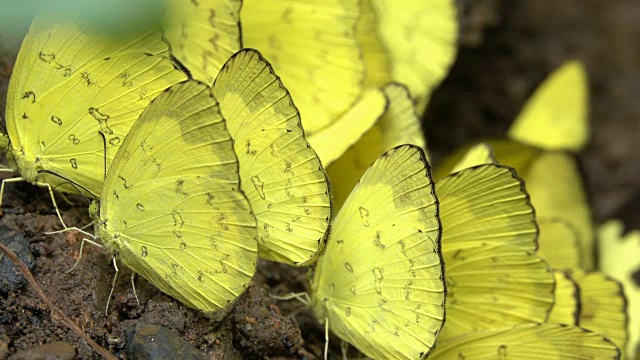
x=203 y=34
x=334 y=140
x=376 y=58
x=488 y=244
x=560 y=197
x=567 y=301
x=559 y=243
x=560 y=200
x=530 y=341
x=312 y=46
x=555 y=117
x=507 y=152
x=603 y=307
x=69 y=83
x=619 y=259
x=421 y=40
x=171 y=208
x=398 y=124
x=281 y=174
x=380 y=283
x=479 y=154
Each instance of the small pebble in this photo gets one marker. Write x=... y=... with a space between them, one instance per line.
x=154 y=342
x=58 y=350
x=10 y=276
x=4 y=346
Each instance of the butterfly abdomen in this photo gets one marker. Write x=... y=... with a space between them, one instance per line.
x=26 y=164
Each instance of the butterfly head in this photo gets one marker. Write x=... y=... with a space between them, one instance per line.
x=4 y=142
x=94 y=210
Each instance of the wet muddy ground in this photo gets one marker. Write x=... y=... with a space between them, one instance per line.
x=507 y=48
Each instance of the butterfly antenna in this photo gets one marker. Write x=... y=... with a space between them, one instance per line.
x=104 y=146
x=70 y=182
x=76 y=188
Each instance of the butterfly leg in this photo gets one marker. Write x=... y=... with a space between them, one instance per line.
x=133 y=285
x=80 y=230
x=326 y=338
x=53 y=200
x=82 y=248
x=113 y=286
x=66 y=199
x=344 y=347
x=303 y=297
x=19 y=179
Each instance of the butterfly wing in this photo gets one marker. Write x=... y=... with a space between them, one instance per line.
x=376 y=57
x=281 y=174
x=69 y=83
x=566 y=302
x=555 y=117
x=312 y=45
x=420 y=38
x=488 y=245
x=380 y=282
x=479 y=154
x=203 y=34
x=398 y=124
x=529 y=341
x=172 y=209
x=561 y=198
x=333 y=141
x=603 y=306
x=619 y=259
x=559 y=243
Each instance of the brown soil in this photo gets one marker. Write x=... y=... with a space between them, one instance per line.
x=508 y=47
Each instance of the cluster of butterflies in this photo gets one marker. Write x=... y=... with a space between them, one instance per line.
x=192 y=144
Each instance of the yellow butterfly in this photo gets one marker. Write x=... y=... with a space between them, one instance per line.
x=566 y=304
x=357 y=139
x=69 y=83
x=312 y=45
x=494 y=278
x=171 y=206
x=603 y=306
x=619 y=259
x=280 y=173
x=380 y=285
x=555 y=117
x=592 y=301
x=203 y=34
x=528 y=341
x=411 y=42
x=551 y=127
